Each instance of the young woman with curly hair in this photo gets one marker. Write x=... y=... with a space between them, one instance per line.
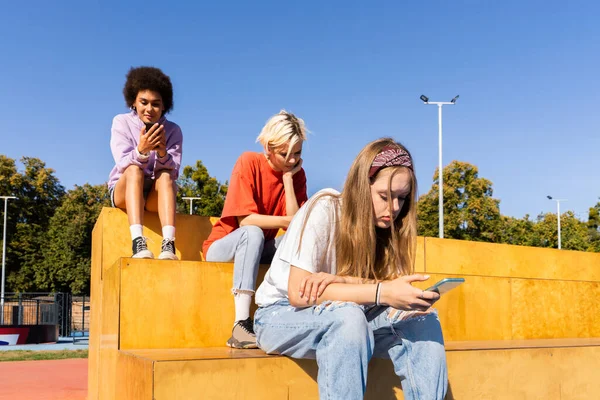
x=147 y=151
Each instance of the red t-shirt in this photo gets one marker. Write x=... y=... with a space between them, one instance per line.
x=254 y=188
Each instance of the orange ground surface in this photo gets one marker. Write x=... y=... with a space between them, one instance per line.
x=47 y=380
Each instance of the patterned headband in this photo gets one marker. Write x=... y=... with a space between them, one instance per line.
x=390 y=157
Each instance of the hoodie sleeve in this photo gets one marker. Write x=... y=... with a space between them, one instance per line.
x=171 y=160
x=123 y=147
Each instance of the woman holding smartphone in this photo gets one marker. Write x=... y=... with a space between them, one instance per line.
x=147 y=151
x=340 y=285
x=265 y=191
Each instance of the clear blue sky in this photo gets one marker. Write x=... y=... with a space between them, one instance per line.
x=526 y=72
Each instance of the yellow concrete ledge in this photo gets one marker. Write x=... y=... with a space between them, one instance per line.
x=569 y=372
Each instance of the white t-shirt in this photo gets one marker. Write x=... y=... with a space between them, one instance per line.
x=317 y=245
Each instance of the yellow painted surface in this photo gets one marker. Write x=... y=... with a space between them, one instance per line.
x=258 y=378
x=134 y=379
x=460 y=257
x=555 y=309
x=191 y=231
x=420 y=255
x=528 y=373
x=479 y=309
x=176 y=304
x=563 y=373
x=483 y=308
x=109 y=333
x=95 y=311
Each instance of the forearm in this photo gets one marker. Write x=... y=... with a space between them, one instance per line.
x=291 y=203
x=355 y=280
x=357 y=293
x=264 y=221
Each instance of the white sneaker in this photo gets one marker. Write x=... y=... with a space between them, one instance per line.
x=140 y=249
x=167 y=250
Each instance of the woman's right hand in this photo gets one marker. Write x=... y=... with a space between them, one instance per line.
x=402 y=295
x=151 y=139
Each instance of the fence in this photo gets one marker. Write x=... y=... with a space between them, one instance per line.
x=70 y=312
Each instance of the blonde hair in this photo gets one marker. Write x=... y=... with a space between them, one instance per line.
x=362 y=249
x=281 y=129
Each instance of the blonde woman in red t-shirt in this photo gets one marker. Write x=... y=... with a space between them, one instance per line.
x=265 y=191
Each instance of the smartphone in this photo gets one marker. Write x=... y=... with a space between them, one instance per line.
x=446 y=285
x=149 y=125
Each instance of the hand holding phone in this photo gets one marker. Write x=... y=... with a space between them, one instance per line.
x=148 y=126
x=445 y=285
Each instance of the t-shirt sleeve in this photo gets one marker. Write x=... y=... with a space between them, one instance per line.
x=300 y=188
x=314 y=252
x=240 y=199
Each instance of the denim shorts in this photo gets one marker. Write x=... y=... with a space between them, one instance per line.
x=148 y=184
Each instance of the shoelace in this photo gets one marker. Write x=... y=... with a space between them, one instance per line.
x=247 y=325
x=168 y=245
x=140 y=245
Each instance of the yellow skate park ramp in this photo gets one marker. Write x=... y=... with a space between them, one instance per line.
x=525 y=325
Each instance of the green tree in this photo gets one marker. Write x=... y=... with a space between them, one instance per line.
x=67 y=254
x=196 y=182
x=574 y=235
x=470 y=211
x=516 y=231
x=39 y=194
x=593 y=226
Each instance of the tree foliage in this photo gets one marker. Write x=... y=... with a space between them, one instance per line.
x=39 y=193
x=67 y=254
x=195 y=181
x=470 y=211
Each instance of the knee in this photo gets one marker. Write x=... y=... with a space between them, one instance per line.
x=350 y=325
x=253 y=234
x=134 y=172
x=164 y=177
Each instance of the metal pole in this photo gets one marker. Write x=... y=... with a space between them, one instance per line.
x=191 y=199
x=4 y=257
x=558 y=214
x=440 y=175
x=425 y=100
x=83 y=317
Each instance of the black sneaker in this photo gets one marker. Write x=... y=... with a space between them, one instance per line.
x=140 y=249
x=167 y=250
x=242 y=335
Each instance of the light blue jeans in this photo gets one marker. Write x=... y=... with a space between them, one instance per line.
x=343 y=337
x=247 y=248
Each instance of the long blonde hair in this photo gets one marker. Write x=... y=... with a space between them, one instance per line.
x=281 y=129
x=363 y=250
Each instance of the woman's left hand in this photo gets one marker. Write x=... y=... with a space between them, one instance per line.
x=161 y=148
x=313 y=285
x=294 y=170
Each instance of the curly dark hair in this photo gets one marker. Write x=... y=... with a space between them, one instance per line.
x=148 y=78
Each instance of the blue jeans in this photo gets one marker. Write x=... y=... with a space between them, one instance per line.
x=343 y=337
x=247 y=248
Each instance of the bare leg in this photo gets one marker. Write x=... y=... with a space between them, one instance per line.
x=162 y=199
x=129 y=194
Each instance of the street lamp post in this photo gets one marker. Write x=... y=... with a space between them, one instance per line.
x=558 y=214
x=191 y=199
x=425 y=100
x=6 y=198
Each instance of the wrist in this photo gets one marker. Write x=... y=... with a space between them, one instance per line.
x=141 y=155
x=383 y=293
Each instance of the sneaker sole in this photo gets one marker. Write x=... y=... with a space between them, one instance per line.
x=143 y=254
x=234 y=344
x=167 y=255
